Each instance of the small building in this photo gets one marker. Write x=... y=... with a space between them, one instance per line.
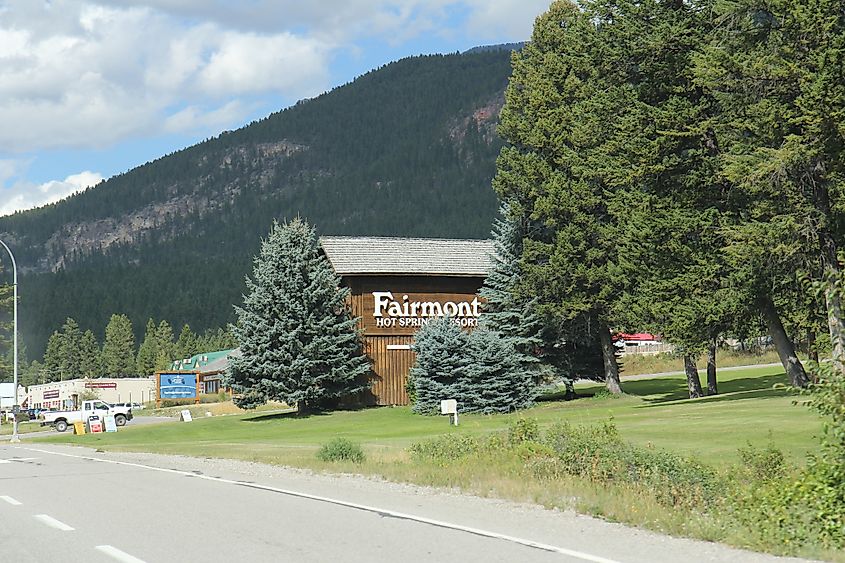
x=68 y=394
x=397 y=285
x=209 y=367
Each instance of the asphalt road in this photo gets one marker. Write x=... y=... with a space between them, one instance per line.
x=74 y=504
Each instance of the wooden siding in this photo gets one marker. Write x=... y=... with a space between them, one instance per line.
x=390 y=368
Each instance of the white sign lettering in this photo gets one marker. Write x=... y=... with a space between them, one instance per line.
x=390 y=312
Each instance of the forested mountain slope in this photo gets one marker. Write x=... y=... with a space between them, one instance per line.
x=408 y=149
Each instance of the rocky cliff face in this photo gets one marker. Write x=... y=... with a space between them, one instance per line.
x=75 y=240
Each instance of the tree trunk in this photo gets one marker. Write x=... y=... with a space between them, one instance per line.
x=812 y=351
x=693 y=383
x=302 y=408
x=785 y=348
x=832 y=277
x=611 y=368
x=711 y=369
x=834 y=324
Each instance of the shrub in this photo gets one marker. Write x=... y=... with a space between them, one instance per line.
x=341 y=449
x=599 y=454
x=523 y=430
x=762 y=465
x=206 y=398
x=532 y=451
x=444 y=449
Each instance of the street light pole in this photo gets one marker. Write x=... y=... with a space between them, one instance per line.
x=15 y=438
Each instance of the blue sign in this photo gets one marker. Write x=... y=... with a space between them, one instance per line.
x=178 y=386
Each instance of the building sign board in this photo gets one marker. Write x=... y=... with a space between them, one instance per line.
x=178 y=385
x=409 y=310
x=101 y=385
x=51 y=394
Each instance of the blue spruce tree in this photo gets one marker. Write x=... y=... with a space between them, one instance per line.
x=506 y=313
x=550 y=350
x=480 y=369
x=495 y=378
x=441 y=349
x=298 y=340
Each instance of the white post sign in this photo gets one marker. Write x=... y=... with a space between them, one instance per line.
x=450 y=407
x=185 y=416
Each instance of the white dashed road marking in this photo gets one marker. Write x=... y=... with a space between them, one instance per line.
x=52 y=522
x=10 y=500
x=115 y=553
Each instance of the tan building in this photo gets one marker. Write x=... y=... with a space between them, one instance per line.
x=68 y=394
x=396 y=285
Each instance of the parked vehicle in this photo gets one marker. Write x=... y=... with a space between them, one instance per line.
x=60 y=420
x=133 y=406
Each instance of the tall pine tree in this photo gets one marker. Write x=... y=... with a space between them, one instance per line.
x=559 y=114
x=299 y=343
x=119 y=348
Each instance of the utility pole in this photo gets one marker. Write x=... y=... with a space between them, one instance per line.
x=16 y=407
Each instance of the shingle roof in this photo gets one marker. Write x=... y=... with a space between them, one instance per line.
x=206 y=361
x=408 y=256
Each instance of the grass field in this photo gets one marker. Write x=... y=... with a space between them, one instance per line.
x=633 y=364
x=654 y=412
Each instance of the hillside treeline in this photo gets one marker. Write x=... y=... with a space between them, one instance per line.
x=408 y=150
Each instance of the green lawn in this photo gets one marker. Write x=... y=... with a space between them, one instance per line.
x=655 y=411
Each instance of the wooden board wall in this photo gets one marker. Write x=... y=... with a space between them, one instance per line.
x=390 y=368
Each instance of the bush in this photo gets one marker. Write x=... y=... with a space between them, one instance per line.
x=599 y=454
x=341 y=449
x=762 y=465
x=206 y=398
x=447 y=448
x=523 y=430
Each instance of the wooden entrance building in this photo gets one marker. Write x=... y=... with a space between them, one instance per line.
x=396 y=285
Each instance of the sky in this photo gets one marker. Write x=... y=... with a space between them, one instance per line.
x=93 y=88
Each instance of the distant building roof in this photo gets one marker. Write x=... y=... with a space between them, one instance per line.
x=408 y=256
x=206 y=362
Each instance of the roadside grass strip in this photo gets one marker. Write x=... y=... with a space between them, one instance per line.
x=380 y=511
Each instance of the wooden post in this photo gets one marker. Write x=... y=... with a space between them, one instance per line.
x=158 y=389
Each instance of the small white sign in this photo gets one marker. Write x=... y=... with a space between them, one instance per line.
x=185 y=416
x=111 y=425
x=449 y=406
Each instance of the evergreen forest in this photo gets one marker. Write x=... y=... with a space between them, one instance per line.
x=408 y=149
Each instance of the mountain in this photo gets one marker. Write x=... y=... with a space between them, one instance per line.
x=408 y=149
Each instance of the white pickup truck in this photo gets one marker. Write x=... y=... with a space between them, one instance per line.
x=60 y=420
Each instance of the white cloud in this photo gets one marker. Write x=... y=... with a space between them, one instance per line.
x=101 y=74
x=23 y=195
x=509 y=18
x=245 y=63
x=89 y=73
